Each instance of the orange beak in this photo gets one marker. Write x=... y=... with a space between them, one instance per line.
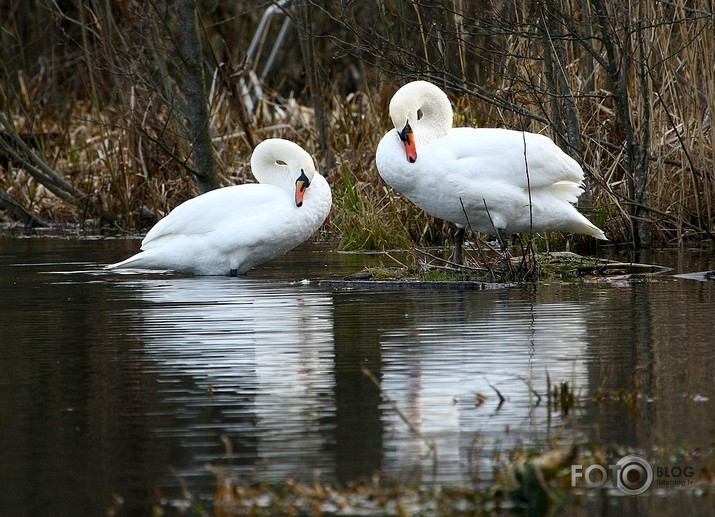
x=408 y=138
x=301 y=184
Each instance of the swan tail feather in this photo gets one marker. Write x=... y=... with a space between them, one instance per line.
x=135 y=261
x=586 y=227
x=565 y=191
x=595 y=231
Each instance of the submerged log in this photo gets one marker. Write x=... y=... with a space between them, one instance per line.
x=435 y=285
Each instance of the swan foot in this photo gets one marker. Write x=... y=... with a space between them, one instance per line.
x=458 y=241
x=233 y=272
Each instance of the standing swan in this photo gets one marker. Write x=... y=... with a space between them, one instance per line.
x=233 y=229
x=478 y=176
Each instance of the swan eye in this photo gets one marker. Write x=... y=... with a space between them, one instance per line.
x=419 y=114
x=405 y=131
x=281 y=163
x=303 y=180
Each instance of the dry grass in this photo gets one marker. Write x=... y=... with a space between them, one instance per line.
x=128 y=151
x=671 y=114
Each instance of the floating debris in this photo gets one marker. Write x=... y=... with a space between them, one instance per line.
x=532 y=480
x=701 y=276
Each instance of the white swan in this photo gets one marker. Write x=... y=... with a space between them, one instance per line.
x=230 y=230
x=478 y=176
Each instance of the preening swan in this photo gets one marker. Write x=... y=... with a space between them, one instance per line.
x=485 y=178
x=233 y=229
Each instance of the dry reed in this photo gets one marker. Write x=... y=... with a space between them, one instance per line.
x=124 y=145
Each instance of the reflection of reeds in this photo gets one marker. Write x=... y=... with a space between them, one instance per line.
x=414 y=429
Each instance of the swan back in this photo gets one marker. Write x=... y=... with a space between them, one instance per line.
x=281 y=162
x=425 y=107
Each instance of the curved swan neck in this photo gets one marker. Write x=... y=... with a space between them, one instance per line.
x=281 y=162
x=425 y=107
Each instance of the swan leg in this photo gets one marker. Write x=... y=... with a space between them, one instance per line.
x=458 y=241
x=503 y=239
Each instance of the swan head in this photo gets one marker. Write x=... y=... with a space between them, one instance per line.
x=421 y=112
x=285 y=164
x=302 y=183
x=401 y=114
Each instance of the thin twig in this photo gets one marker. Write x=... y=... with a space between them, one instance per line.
x=502 y=399
x=450 y=263
x=429 y=442
x=393 y=258
x=530 y=244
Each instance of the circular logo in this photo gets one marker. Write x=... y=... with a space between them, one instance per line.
x=634 y=475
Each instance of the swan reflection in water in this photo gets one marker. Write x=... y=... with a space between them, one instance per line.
x=444 y=368
x=254 y=360
x=245 y=359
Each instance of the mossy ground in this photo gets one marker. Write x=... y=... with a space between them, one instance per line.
x=495 y=267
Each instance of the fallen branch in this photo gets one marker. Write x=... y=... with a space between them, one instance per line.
x=16 y=149
x=18 y=212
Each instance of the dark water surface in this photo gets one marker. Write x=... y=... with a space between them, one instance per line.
x=125 y=387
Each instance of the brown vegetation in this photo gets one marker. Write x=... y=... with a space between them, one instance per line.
x=95 y=111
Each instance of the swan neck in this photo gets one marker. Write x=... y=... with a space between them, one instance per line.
x=437 y=115
x=281 y=163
